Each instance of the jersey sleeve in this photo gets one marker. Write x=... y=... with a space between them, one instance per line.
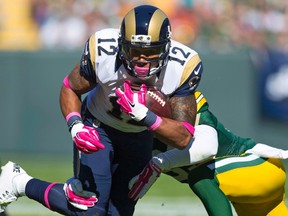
x=201 y=101
x=87 y=63
x=191 y=77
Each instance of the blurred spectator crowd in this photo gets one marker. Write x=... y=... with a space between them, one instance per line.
x=218 y=25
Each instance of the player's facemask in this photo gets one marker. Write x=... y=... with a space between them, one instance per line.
x=138 y=57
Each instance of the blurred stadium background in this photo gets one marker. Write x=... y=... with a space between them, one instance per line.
x=243 y=44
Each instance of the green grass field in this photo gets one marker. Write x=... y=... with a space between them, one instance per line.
x=165 y=197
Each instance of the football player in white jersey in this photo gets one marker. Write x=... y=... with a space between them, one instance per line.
x=111 y=127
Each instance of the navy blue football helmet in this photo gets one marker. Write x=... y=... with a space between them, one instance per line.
x=145 y=30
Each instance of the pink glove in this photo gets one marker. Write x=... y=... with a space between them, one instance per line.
x=78 y=197
x=86 y=138
x=133 y=103
x=140 y=184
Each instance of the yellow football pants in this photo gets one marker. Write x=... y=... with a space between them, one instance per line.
x=255 y=186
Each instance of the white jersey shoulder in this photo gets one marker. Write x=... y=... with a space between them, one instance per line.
x=180 y=67
x=105 y=49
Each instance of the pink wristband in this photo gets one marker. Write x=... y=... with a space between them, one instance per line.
x=156 y=123
x=189 y=127
x=72 y=114
x=66 y=82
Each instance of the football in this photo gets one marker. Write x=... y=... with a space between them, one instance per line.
x=156 y=101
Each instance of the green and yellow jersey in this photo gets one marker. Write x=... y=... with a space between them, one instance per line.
x=229 y=143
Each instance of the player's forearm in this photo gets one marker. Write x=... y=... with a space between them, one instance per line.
x=69 y=101
x=74 y=85
x=203 y=147
x=173 y=133
x=179 y=131
x=267 y=151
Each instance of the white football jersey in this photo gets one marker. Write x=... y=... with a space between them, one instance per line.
x=101 y=64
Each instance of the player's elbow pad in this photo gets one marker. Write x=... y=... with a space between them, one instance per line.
x=204 y=145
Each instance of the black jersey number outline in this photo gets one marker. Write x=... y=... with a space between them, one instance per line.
x=176 y=50
x=112 y=49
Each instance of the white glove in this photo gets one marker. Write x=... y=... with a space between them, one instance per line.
x=132 y=103
x=86 y=138
x=263 y=150
x=140 y=184
x=78 y=197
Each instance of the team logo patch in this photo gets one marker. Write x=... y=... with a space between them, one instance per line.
x=193 y=81
x=141 y=39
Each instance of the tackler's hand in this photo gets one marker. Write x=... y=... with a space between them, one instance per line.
x=140 y=184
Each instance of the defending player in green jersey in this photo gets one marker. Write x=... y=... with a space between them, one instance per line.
x=228 y=175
